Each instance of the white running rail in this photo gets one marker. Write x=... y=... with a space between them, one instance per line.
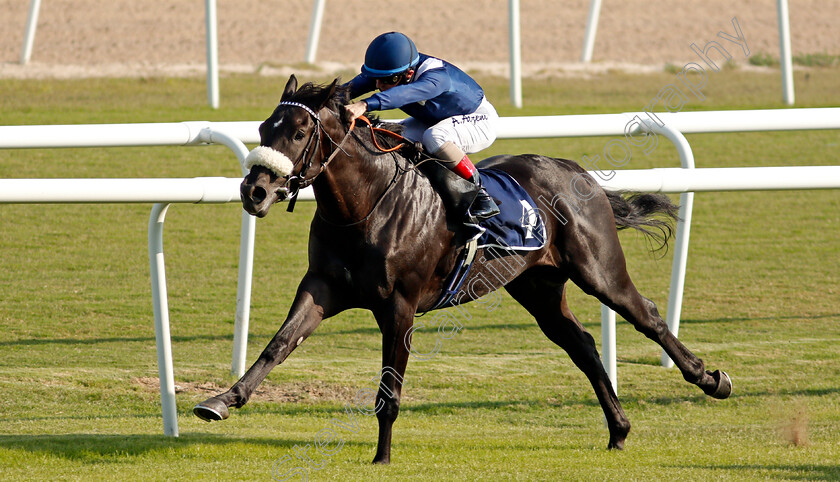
x=235 y=134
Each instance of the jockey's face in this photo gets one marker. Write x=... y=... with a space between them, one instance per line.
x=393 y=81
x=387 y=83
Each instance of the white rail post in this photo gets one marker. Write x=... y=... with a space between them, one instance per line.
x=29 y=35
x=784 y=51
x=678 y=266
x=608 y=349
x=246 y=257
x=515 y=55
x=591 y=30
x=314 y=31
x=160 y=306
x=243 y=295
x=212 y=54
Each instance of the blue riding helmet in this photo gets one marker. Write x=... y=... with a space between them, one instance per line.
x=389 y=54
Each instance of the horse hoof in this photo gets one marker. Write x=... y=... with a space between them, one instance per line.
x=724 y=385
x=615 y=445
x=618 y=434
x=211 y=410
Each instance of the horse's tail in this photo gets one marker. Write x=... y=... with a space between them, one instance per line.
x=644 y=212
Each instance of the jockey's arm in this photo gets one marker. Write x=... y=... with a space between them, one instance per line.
x=360 y=84
x=427 y=86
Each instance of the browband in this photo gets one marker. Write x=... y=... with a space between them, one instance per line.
x=307 y=109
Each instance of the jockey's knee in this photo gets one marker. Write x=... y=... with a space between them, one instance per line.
x=434 y=139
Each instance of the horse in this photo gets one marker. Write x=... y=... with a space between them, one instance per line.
x=381 y=240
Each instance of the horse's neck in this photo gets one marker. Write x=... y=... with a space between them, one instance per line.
x=351 y=187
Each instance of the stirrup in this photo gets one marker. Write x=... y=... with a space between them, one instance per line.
x=483 y=207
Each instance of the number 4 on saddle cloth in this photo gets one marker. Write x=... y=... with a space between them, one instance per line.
x=517 y=227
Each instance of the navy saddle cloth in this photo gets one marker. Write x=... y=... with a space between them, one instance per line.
x=518 y=226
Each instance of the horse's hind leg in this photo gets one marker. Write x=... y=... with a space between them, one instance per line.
x=603 y=274
x=542 y=292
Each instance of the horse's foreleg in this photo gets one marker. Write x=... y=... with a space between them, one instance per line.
x=313 y=302
x=394 y=322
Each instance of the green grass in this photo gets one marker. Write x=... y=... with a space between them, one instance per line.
x=77 y=394
x=763 y=59
x=806 y=60
x=817 y=60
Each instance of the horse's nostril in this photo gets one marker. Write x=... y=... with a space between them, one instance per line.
x=258 y=194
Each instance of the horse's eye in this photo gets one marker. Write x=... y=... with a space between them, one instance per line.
x=299 y=135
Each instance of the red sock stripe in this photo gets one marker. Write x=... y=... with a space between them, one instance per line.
x=465 y=168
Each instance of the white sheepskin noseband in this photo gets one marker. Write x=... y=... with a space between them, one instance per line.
x=271 y=159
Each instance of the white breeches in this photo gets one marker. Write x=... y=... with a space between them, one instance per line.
x=471 y=132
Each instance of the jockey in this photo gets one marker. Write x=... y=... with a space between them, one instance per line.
x=448 y=111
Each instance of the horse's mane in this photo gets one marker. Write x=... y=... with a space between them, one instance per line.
x=311 y=94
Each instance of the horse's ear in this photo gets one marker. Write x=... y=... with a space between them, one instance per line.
x=330 y=93
x=291 y=87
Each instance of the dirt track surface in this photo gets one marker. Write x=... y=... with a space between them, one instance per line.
x=144 y=37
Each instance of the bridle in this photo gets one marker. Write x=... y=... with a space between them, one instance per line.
x=296 y=182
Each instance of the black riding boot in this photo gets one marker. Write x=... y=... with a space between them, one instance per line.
x=455 y=159
x=483 y=207
x=456 y=192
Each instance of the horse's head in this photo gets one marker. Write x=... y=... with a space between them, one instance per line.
x=291 y=150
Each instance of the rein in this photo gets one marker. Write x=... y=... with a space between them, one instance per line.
x=397 y=170
x=374 y=130
x=299 y=181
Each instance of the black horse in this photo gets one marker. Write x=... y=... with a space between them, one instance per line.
x=380 y=240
